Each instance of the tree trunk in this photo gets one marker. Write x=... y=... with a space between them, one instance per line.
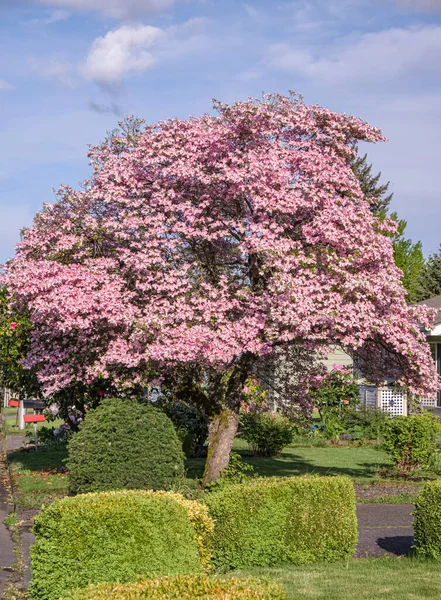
x=221 y=432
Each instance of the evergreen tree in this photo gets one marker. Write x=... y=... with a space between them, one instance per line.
x=429 y=283
x=371 y=186
x=407 y=255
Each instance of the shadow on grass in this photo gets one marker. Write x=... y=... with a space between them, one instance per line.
x=290 y=464
x=40 y=460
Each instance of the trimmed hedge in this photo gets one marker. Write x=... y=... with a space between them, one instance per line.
x=184 y=588
x=117 y=537
x=427 y=521
x=295 y=520
x=123 y=444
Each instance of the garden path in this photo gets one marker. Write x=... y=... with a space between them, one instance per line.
x=384 y=529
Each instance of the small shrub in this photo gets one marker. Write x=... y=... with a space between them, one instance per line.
x=184 y=588
x=267 y=433
x=117 y=537
x=364 y=423
x=293 y=520
x=410 y=441
x=124 y=444
x=237 y=471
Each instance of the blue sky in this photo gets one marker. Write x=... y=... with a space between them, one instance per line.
x=70 y=69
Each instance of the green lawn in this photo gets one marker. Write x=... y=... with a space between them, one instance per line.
x=11 y=427
x=36 y=478
x=368 y=579
x=360 y=464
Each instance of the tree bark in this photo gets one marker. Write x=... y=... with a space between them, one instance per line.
x=221 y=432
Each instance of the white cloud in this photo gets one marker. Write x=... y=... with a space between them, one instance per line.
x=128 y=50
x=381 y=57
x=5 y=86
x=121 y=52
x=118 y=9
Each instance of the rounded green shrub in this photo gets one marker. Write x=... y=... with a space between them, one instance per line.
x=184 y=588
x=427 y=521
x=296 y=520
x=117 y=537
x=411 y=441
x=267 y=433
x=123 y=444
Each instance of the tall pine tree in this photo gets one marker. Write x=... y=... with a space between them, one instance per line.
x=430 y=278
x=408 y=256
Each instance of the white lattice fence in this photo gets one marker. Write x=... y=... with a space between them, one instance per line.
x=393 y=402
x=428 y=402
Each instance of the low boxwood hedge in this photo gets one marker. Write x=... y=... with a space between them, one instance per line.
x=295 y=520
x=117 y=537
x=184 y=588
x=427 y=521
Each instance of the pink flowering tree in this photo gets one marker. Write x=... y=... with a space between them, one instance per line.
x=209 y=243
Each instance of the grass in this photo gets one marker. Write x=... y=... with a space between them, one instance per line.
x=360 y=464
x=36 y=478
x=10 y=426
x=404 y=498
x=367 y=579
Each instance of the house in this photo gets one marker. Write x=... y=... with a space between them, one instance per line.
x=434 y=339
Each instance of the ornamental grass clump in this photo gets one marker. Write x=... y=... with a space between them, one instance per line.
x=296 y=520
x=117 y=537
x=124 y=444
x=184 y=588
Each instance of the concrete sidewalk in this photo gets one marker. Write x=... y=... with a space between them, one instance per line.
x=384 y=529
x=7 y=556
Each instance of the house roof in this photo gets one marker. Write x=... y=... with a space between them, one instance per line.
x=434 y=302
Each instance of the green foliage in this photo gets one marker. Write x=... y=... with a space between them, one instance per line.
x=15 y=331
x=115 y=537
x=430 y=278
x=364 y=423
x=237 y=471
x=427 y=521
x=288 y=520
x=267 y=433
x=197 y=587
x=376 y=193
x=410 y=441
x=410 y=259
x=124 y=444
x=190 y=424
x=333 y=395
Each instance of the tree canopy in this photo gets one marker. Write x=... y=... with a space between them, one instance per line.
x=214 y=241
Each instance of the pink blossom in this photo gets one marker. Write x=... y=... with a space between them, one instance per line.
x=206 y=239
x=13 y=326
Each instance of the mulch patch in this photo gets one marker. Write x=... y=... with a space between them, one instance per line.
x=379 y=490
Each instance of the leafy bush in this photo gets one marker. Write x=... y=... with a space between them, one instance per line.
x=267 y=433
x=296 y=520
x=410 y=441
x=427 y=521
x=184 y=588
x=337 y=388
x=117 y=537
x=364 y=423
x=124 y=444
x=52 y=437
x=190 y=424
